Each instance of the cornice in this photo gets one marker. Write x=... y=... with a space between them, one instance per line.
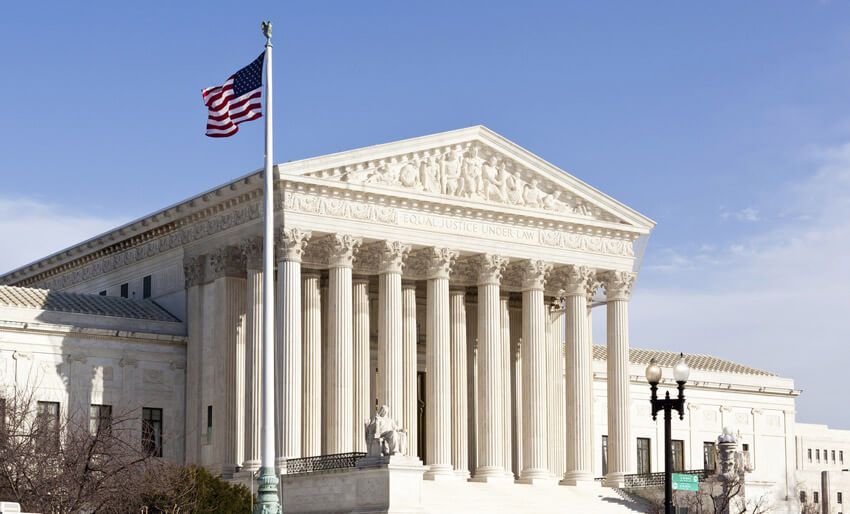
x=238 y=202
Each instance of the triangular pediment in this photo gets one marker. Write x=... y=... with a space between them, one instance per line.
x=473 y=165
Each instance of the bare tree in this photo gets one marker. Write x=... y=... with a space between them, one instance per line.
x=713 y=498
x=61 y=464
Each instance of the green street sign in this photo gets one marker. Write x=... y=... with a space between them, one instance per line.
x=685 y=482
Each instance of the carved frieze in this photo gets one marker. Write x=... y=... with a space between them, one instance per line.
x=472 y=171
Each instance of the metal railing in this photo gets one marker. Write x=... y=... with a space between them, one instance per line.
x=322 y=462
x=657 y=479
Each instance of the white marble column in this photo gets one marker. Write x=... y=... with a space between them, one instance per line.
x=460 y=435
x=505 y=322
x=535 y=404
x=193 y=274
x=618 y=288
x=490 y=403
x=555 y=367
x=228 y=268
x=472 y=378
x=409 y=365
x=390 y=329
x=288 y=347
x=252 y=252
x=516 y=387
x=340 y=435
x=438 y=380
x=579 y=378
x=363 y=405
x=311 y=330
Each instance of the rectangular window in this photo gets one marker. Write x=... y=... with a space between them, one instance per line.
x=817 y=455
x=209 y=424
x=678 y=448
x=833 y=456
x=103 y=293
x=2 y=419
x=810 y=454
x=841 y=456
x=100 y=420
x=803 y=497
x=47 y=423
x=146 y=287
x=815 y=496
x=708 y=453
x=152 y=431
x=125 y=290
x=840 y=498
x=643 y=456
x=604 y=455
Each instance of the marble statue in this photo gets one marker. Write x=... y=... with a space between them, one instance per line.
x=384 y=436
x=727 y=448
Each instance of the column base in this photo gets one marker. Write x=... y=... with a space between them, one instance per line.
x=462 y=474
x=492 y=475
x=250 y=466
x=440 y=472
x=280 y=465
x=616 y=480
x=537 y=477
x=579 y=481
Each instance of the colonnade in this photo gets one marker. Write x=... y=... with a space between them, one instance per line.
x=508 y=385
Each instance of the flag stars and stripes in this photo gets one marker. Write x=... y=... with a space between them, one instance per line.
x=236 y=101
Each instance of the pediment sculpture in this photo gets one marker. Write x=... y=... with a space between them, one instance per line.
x=467 y=173
x=384 y=436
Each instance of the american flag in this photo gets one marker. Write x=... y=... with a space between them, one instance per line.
x=236 y=101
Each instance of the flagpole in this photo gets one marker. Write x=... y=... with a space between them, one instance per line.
x=267 y=497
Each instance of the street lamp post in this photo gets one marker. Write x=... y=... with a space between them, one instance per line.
x=653 y=375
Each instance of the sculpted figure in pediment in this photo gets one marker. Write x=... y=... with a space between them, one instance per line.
x=429 y=174
x=451 y=176
x=494 y=180
x=532 y=195
x=473 y=184
x=408 y=175
x=513 y=189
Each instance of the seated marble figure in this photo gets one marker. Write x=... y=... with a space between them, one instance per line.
x=384 y=436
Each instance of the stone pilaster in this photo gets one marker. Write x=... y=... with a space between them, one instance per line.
x=228 y=268
x=438 y=381
x=193 y=274
x=390 y=351
x=618 y=288
x=363 y=405
x=409 y=365
x=579 y=378
x=505 y=322
x=340 y=435
x=535 y=404
x=490 y=403
x=311 y=318
x=252 y=251
x=460 y=436
x=472 y=377
x=288 y=350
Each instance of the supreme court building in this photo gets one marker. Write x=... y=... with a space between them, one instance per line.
x=450 y=277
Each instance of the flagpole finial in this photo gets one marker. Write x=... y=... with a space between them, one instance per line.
x=267 y=31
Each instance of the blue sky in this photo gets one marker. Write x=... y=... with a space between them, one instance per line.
x=726 y=122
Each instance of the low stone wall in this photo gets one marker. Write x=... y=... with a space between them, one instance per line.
x=391 y=486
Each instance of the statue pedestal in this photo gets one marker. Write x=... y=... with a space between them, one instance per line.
x=374 y=485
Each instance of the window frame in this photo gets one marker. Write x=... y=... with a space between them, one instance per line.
x=45 y=418
x=100 y=418
x=709 y=458
x=147 y=286
x=678 y=467
x=125 y=290
x=152 y=431
x=647 y=452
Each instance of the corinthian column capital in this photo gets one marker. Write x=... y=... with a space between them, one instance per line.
x=490 y=268
x=227 y=261
x=577 y=280
x=341 y=249
x=252 y=252
x=392 y=256
x=291 y=242
x=439 y=261
x=618 y=284
x=534 y=274
x=193 y=270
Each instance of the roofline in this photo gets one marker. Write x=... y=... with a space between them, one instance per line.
x=162 y=217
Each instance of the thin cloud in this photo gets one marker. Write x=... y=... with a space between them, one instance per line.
x=31 y=229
